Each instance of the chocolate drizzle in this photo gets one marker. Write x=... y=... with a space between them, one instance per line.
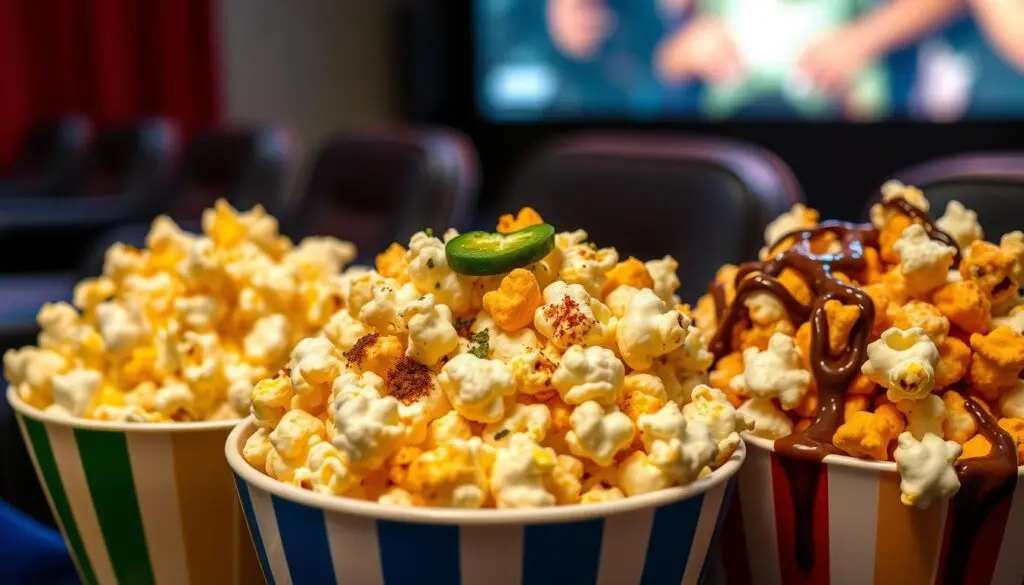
x=987 y=481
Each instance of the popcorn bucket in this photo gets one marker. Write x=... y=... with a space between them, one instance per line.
x=141 y=503
x=304 y=537
x=856 y=531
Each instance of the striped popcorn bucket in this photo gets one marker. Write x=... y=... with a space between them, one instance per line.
x=307 y=538
x=859 y=532
x=141 y=503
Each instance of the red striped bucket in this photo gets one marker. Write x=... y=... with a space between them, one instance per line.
x=141 y=503
x=860 y=531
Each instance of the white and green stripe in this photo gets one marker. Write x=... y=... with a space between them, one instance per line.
x=143 y=507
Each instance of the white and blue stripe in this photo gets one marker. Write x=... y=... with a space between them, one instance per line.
x=302 y=545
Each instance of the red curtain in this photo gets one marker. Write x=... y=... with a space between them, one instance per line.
x=110 y=60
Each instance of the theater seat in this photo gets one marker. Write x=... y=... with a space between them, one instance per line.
x=992 y=184
x=376 y=187
x=49 y=158
x=706 y=201
x=245 y=166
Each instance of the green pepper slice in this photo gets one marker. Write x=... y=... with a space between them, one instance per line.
x=486 y=254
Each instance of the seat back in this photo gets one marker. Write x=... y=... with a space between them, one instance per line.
x=992 y=184
x=246 y=166
x=130 y=162
x=705 y=201
x=374 y=188
x=51 y=155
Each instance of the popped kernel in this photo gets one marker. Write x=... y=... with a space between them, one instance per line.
x=392 y=263
x=961 y=223
x=513 y=305
x=841 y=319
x=965 y=305
x=958 y=425
x=904 y=362
x=997 y=361
x=630 y=272
x=526 y=217
x=866 y=434
x=991 y=268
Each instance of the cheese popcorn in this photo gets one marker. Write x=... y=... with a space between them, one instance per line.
x=926 y=469
x=649 y=329
x=434 y=388
x=592 y=373
x=924 y=416
x=526 y=217
x=477 y=387
x=571 y=316
x=892 y=190
x=797 y=217
x=197 y=319
x=768 y=420
x=904 y=362
x=774 y=373
x=866 y=434
x=961 y=223
x=431 y=333
x=924 y=262
x=598 y=432
x=517 y=478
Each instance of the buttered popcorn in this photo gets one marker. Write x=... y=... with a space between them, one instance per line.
x=182 y=329
x=897 y=340
x=509 y=388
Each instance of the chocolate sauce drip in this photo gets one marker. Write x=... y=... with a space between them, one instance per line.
x=985 y=483
x=800 y=453
x=929 y=226
x=717 y=291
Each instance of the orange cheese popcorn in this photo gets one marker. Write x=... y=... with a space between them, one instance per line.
x=881 y=297
x=392 y=263
x=513 y=304
x=855 y=404
x=726 y=276
x=759 y=335
x=889 y=235
x=977 y=446
x=375 y=353
x=726 y=369
x=965 y=305
x=865 y=434
x=841 y=319
x=997 y=361
x=630 y=272
x=924 y=315
x=896 y=418
x=958 y=425
x=796 y=285
x=862 y=385
x=991 y=268
x=954 y=359
x=526 y=217
x=873 y=269
x=803 y=341
x=1015 y=428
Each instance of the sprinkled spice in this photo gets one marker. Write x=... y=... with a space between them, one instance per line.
x=408 y=381
x=565 y=317
x=481 y=343
x=463 y=327
x=358 y=351
x=501 y=434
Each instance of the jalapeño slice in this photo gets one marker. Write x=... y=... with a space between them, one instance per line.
x=485 y=253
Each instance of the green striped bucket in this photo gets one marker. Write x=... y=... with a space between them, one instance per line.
x=141 y=503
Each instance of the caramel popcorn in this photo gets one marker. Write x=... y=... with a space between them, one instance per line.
x=576 y=379
x=905 y=342
x=183 y=329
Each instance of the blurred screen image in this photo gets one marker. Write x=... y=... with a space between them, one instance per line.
x=853 y=60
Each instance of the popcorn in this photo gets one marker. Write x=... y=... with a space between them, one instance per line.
x=904 y=362
x=74 y=392
x=866 y=434
x=344 y=330
x=710 y=407
x=526 y=217
x=764 y=308
x=367 y=424
x=429 y=271
x=530 y=420
x=452 y=475
x=267 y=342
x=992 y=269
x=31 y=371
x=585 y=265
x=598 y=432
x=924 y=262
x=768 y=420
x=637 y=474
x=570 y=316
x=666 y=282
x=532 y=371
x=965 y=305
x=896 y=190
x=924 y=416
x=517 y=478
x=796 y=218
x=775 y=373
x=648 y=330
x=328 y=472
x=512 y=306
x=925 y=316
x=997 y=361
x=961 y=223
x=619 y=298
x=642 y=394
x=678 y=447
x=926 y=469
x=476 y=387
x=592 y=373
x=431 y=333
x=631 y=272
x=958 y=425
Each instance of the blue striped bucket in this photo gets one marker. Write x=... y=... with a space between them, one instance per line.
x=306 y=538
